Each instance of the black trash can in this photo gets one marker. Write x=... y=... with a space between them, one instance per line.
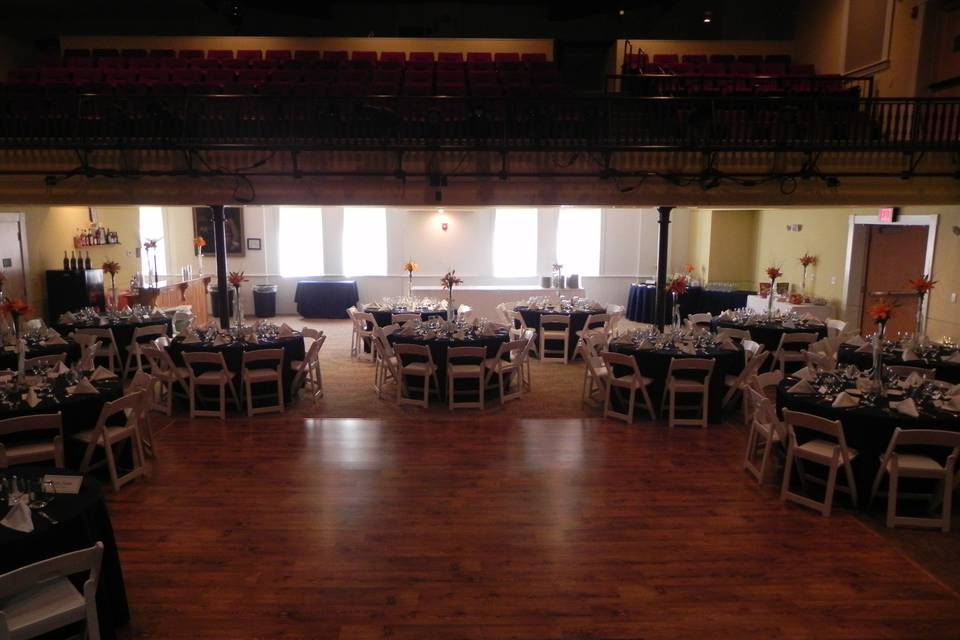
x=265 y=300
x=215 y=301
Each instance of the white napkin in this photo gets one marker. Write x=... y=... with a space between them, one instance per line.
x=844 y=399
x=727 y=344
x=751 y=322
x=688 y=349
x=19 y=517
x=907 y=407
x=220 y=340
x=867 y=348
x=140 y=380
x=84 y=387
x=909 y=355
x=61 y=369
x=66 y=318
x=913 y=380
x=809 y=318
x=430 y=335
x=855 y=341
x=953 y=391
x=789 y=324
x=30 y=397
x=285 y=331
x=104 y=321
x=952 y=403
x=408 y=330
x=645 y=345
x=191 y=339
x=953 y=357
x=251 y=338
x=459 y=335
x=725 y=316
x=55 y=340
x=801 y=387
x=102 y=374
x=162 y=342
x=804 y=373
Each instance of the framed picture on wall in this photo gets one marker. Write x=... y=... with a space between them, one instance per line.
x=783 y=288
x=203 y=228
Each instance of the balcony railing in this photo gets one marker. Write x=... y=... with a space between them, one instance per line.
x=601 y=123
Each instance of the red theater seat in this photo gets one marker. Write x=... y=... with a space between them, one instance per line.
x=479 y=56
x=187 y=76
x=105 y=53
x=533 y=57
x=220 y=54
x=307 y=55
x=133 y=53
x=421 y=56
x=339 y=57
x=186 y=54
x=165 y=53
x=146 y=63
x=219 y=76
x=778 y=58
x=751 y=58
x=393 y=56
x=771 y=69
x=664 y=59
x=177 y=63
x=234 y=63
x=279 y=55
x=249 y=54
x=694 y=58
x=86 y=76
x=112 y=63
x=76 y=53
x=78 y=62
x=723 y=58
x=203 y=63
x=55 y=74
x=447 y=56
x=506 y=57
x=121 y=76
x=418 y=88
x=287 y=75
x=320 y=76
x=153 y=76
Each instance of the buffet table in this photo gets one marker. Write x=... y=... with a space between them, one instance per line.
x=821 y=311
x=642 y=300
x=325 y=298
x=172 y=293
x=484 y=299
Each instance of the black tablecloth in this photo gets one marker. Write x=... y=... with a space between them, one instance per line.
x=946 y=371
x=641 y=302
x=769 y=334
x=293 y=349
x=384 y=318
x=78 y=413
x=325 y=298
x=438 y=350
x=655 y=363
x=122 y=330
x=83 y=520
x=8 y=359
x=866 y=429
x=578 y=320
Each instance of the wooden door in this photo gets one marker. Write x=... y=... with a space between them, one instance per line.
x=895 y=255
x=11 y=260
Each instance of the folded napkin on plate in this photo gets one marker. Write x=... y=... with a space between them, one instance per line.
x=51 y=332
x=19 y=517
x=726 y=316
x=867 y=348
x=645 y=345
x=104 y=321
x=913 y=380
x=907 y=407
x=487 y=332
x=285 y=332
x=61 y=369
x=908 y=355
x=855 y=341
x=66 y=318
x=844 y=400
x=460 y=336
x=750 y=323
x=408 y=330
x=140 y=380
x=251 y=338
x=952 y=403
x=801 y=387
x=789 y=324
x=84 y=387
x=688 y=349
x=191 y=339
x=953 y=391
x=55 y=340
x=162 y=342
x=430 y=335
x=727 y=345
x=953 y=357
x=102 y=374
x=30 y=397
x=809 y=318
x=219 y=341
x=804 y=373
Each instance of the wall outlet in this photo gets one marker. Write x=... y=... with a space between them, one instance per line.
x=833 y=280
x=953 y=297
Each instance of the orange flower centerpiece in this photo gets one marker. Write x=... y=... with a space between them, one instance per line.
x=113 y=268
x=773 y=272
x=921 y=286
x=151 y=245
x=805 y=261
x=198 y=244
x=677 y=287
x=880 y=312
x=236 y=278
x=16 y=309
x=448 y=282
x=410 y=266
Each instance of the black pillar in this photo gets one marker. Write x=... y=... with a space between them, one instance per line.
x=220 y=246
x=661 y=309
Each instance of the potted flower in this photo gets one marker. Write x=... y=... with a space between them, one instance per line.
x=113 y=268
x=921 y=286
x=773 y=272
x=880 y=312
x=448 y=282
x=805 y=261
x=677 y=287
x=198 y=244
x=236 y=279
x=151 y=245
x=410 y=266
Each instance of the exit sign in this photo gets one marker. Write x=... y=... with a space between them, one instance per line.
x=888 y=214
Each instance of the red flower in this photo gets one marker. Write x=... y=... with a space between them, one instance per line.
x=806 y=260
x=881 y=311
x=450 y=280
x=111 y=267
x=236 y=278
x=150 y=244
x=774 y=272
x=922 y=285
x=678 y=285
x=16 y=308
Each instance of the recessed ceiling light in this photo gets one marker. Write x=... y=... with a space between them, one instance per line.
x=621 y=12
x=707 y=17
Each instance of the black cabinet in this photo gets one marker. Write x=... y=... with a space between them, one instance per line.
x=73 y=290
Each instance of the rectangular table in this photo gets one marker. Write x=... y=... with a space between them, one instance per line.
x=641 y=302
x=483 y=299
x=820 y=311
x=325 y=298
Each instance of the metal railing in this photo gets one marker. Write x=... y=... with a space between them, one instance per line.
x=600 y=123
x=695 y=84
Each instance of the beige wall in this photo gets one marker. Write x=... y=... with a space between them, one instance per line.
x=818 y=38
x=900 y=78
x=699 y=245
x=49 y=232
x=943 y=316
x=732 y=247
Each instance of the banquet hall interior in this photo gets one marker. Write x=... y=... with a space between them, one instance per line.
x=362 y=320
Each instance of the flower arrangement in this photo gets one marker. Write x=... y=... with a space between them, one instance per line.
x=689 y=268
x=236 y=279
x=805 y=261
x=151 y=245
x=16 y=309
x=678 y=284
x=557 y=275
x=113 y=268
x=410 y=266
x=881 y=311
x=199 y=243
x=921 y=286
x=773 y=272
x=450 y=280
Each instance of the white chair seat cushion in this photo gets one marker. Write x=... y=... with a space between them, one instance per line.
x=823 y=448
x=916 y=462
x=418 y=368
x=45 y=607
x=31 y=451
x=464 y=369
x=260 y=375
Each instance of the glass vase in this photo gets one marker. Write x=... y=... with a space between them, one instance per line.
x=878 y=357
x=919 y=333
x=675 y=312
x=200 y=263
x=239 y=311
x=773 y=292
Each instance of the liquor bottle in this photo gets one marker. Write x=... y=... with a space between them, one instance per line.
x=86 y=263
x=73 y=261
x=66 y=262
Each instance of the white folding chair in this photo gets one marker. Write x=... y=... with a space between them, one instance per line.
x=403 y=318
x=835 y=327
x=363 y=330
x=554 y=328
x=386 y=364
x=595 y=375
x=166 y=375
x=415 y=361
x=308 y=376
x=766 y=430
x=898 y=464
x=733 y=333
x=831 y=452
x=633 y=382
x=507 y=365
x=46 y=443
x=785 y=354
x=737 y=383
x=530 y=337
x=214 y=374
x=260 y=373
x=351 y=313
x=40 y=597
x=147 y=384
x=677 y=385
x=465 y=363
x=141 y=336
x=108 y=346
x=105 y=435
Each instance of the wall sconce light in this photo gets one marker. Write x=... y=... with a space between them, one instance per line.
x=444 y=226
x=444 y=222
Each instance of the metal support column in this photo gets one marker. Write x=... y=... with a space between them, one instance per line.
x=661 y=308
x=220 y=246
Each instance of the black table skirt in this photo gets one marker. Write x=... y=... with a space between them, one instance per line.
x=122 y=331
x=83 y=520
x=946 y=371
x=8 y=359
x=641 y=302
x=325 y=298
x=438 y=350
x=293 y=349
x=578 y=320
x=656 y=363
x=769 y=335
x=383 y=318
x=866 y=429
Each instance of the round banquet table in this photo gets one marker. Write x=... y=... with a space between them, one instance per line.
x=867 y=429
x=8 y=357
x=78 y=413
x=655 y=363
x=82 y=520
x=383 y=317
x=769 y=334
x=438 y=349
x=578 y=320
x=122 y=330
x=293 y=349
x=946 y=371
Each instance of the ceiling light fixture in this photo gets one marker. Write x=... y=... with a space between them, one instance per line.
x=707 y=17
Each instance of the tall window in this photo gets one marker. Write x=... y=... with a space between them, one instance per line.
x=515 y=243
x=301 y=241
x=578 y=241
x=364 y=241
x=151 y=228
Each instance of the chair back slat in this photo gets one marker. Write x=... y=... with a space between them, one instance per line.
x=926 y=437
x=62 y=566
x=36 y=422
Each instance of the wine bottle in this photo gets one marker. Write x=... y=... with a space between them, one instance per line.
x=66 y=262
x=73 y=261
x=86 y=263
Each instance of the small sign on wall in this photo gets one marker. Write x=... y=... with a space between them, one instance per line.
x=888 y=214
